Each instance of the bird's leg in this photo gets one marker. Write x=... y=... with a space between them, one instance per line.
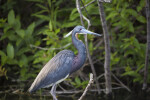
x=53 y=92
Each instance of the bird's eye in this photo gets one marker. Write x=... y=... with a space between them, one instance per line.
x=80 y=29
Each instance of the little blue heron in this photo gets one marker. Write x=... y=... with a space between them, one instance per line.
x=63 y=64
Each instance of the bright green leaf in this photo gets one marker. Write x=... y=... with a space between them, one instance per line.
x=11 y=17
x=50 y=25
x=17 y=24
x=3 y=58
x=77 y=80
x=141 y=19
x=30 y=29
x=21 y=33
x=10 y=51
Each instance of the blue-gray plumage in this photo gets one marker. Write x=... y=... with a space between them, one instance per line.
x=63 y=64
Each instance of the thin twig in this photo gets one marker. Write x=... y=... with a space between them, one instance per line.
x=79 y=11
x=87 y=87
x=85 y=10
x=86 y=43
x=33 y=46
x=100 y=76
x=88 y=4
x=89 y=23
x=108 y=1
x=79 y=91
x=123 y=85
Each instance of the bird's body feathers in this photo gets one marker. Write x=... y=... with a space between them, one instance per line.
x=58 y=68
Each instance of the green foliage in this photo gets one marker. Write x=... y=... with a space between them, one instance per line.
x=135 y=74
x=3 y=72
x=50 y=20
x=78 y=84
x=16 y=40
x=127 y=24
x=10 y=51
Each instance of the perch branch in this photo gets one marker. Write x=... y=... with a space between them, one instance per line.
x=86 y=89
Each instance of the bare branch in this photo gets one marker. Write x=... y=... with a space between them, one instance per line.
x=86 y=89
x=88 y=4
x=108 y=1
x=79 y=11
x=107 y=48
x=123 y=85
x=86 y=44
x=33 y=46
x=148 y=46
x=89 y=23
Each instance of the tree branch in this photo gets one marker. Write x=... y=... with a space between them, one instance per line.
x=86 y=44
x=87 y=87
x=107 y=49
x=33 y=46
x=121 y=83
x=147 y=47
x=88 y=4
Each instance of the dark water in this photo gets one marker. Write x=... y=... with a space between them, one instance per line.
x=117 y=95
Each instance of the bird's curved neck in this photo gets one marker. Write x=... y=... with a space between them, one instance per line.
x=79 y=60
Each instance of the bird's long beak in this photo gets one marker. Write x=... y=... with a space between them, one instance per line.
x=84 y=31
x=68 y=34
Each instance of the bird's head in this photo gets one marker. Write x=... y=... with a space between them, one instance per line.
x=81 y=30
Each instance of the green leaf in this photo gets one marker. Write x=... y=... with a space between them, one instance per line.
x=50 y=25
x=47 y=18
x=132 y=12
x=30 y=29
x=112 y=15
x=22 y=50
x=21 y=33
x=70 y=24
x=12 y=61
x=17 y=24
x=41 y=6
x=141 y=19
x=19 y=41
x=77 y=80
x=23 y=61
x=3 y=58
x=136 y=43
x=130 y=26
x=11 y=17
x=141 y=5
x=131 y=73
x=74 y=15
x=10 y=51
x=73 y=83
x=11 y=35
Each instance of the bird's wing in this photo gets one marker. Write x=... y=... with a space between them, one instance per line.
x=55 y=70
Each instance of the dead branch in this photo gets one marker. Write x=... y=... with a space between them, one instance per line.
x=86 y=89
x=107 y=49
x=41 y=48
x=148 y=46
x=88 y=4
x=86 y=43
x=123 y=85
